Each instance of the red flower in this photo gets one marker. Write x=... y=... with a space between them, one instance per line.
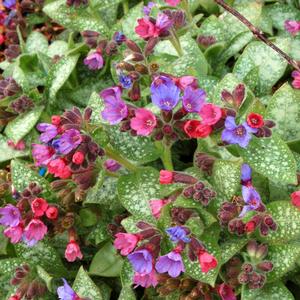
x=195 y=129
x=250 y=226
x=226 y=292
x=78 y=158
x=207 y=261
x=55 y=120
x=255 y=120
x=39 y=206
x=52 y=212
x=296 y=198
x=2 y=39
x=165 y=177
x=58 y=168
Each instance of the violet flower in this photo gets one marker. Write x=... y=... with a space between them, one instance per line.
x=125 y=81
x=141 y=261
x=237 y=134
x=11 y=215
x=42 y=154
x=251 y=198
x=65 y=292
x=164 y=93
x=69 y=140
x=94 y=61
x=171 y=263
x=193 y=99
x=9 y=3
x=147 y=9
x=163 y=22
x=178 y=233
x=246 y=173
x=49 y=132
x=292 y=26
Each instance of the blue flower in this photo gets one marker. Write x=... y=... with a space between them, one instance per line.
x=65 y=292
x=251 y=198
x=125 y=81
x=141 y=261
x=246 y=173
x=178 y=233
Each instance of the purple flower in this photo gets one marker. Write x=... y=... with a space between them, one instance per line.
x=246 y=173
x=141 y=261
x=164 y=93
x=171 y=263
x=112 y=165
x=115 y=108
x=119 y=37
x=193 y=99
x=94 y=61
x=11 y=215
x=125 y=81
x=42 y=154
x=65 y=292
x=237 y=134
x=293 y=27
x=69 y=140
x=49 y=132
x=177 y=233
x=147 y=9
x=163 y=22
x=251 y=198
x=9 y=3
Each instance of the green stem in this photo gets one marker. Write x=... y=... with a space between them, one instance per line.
x=166 y=155
x=125 y=7
x=175 y=42
x=110 y=152
x=186 y=7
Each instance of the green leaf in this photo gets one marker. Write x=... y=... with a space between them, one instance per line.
x=127 y=294
x=226 y=177
x=272 y=158
x=84 y=286
x=36 y=42
x=46 y=277
x=284 y=259
x=22 y=125
x=8 y=153
x=232 y=246
x=42 y=254
x=270 y=65
x=99 y=233
x=57 y=48
x=106 y=262
x=273 y=291
x=127 y=273
x=75 y=18
x=60 y=73
x=287 y=218
x=136 y=189
x=284 y=109
x=22 y=175
x=9 y=265
x=88 y=217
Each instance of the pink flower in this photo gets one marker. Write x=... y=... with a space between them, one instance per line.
x=35 y=231
x=42 y=154
x=210 y=114
x=52 y=213
x=14 y=233
x=20 y=145
x=78 y=158
x=295 y=197
x=157 y=205
x=185 y=81
x=144 y=121
x=293 y=27
x=165 y=177
x=73 y=251
x=58 y=168
x=39 y=206
x=145 y=280
x=126 y=242
x=94 y=61
x=207 y=261
x=296 y=81
x=145 y=28
x=172 y=2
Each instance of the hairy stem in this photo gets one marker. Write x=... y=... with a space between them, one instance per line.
x=258 y=34
x=166 y=155
x=175 y=42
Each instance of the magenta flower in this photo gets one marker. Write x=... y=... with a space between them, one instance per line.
x=42 y=154
x=115 y=108
x=296 y=81
x=34 y=232
x=193 y=99
x=210 y=114
x=126 y=242
x=293 y=27
x=185 y=81
x=178 y=233
x=164 y=93
x=111 y=165
x=163 y=22
x=94 y=61
x=144 y=121
x=171 y=263
x=11 y=215
x=145 y=280
x=69 y=140
x=141 y=261
x=237 y=134
x=172 y=2
x=251 y=198
x=65 y=292
x=73 y=251
x=226 y=292
x=49 y=132
x=14 y=233
x=157 y=205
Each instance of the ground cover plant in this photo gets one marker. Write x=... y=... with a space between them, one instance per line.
x=150 y=150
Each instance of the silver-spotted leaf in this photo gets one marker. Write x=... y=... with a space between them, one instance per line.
x=8 y=152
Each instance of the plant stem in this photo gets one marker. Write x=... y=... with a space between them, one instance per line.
x=110 y=152
x=258 y=34
x=125 y=7
x=186 y=7
x=175 y=42
x=166 y=155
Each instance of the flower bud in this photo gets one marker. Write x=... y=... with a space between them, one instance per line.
x=243 y=278
x=247 y=268
x=261 y=252
x=265 y=266
x=52 y=213
x=133 y=46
